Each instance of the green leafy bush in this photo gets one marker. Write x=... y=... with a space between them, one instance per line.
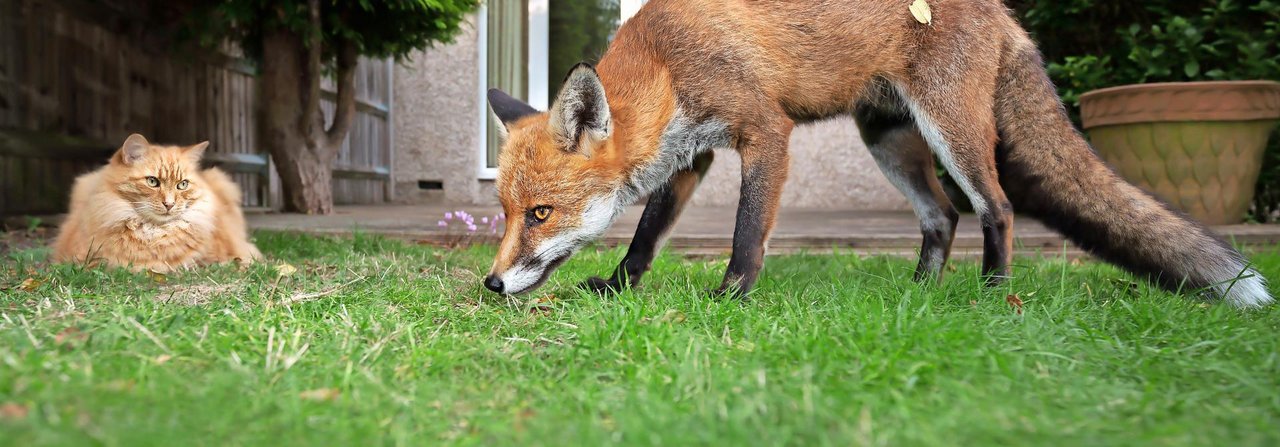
x=1093 y=44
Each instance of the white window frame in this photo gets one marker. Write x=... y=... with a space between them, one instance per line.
x=629 y=8
x=539 y=54
x=539 y=51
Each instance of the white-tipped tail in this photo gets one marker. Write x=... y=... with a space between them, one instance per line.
x=1249 y=291
x=1049 y=172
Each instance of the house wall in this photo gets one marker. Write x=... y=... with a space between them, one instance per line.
x=830 y=168
x=437 y=123
x=437 y=131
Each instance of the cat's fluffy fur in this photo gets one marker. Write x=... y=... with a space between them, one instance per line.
x=137 y=212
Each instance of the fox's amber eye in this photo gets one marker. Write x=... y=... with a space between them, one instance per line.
x=153 y=182
x=183 y=184
x=541 y=213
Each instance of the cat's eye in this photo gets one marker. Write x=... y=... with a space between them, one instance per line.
x=153 y=182
x=541 y=213
x=183 y=185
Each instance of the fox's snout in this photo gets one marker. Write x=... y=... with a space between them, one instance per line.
x=494 y=283
x=523 y=276
x=525 y=260
x=528 y=255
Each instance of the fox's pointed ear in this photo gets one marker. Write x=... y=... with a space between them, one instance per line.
x=196 y=152
x=580 y=115
x=133 y=149
x=508 y=109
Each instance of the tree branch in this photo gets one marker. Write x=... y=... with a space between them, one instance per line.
x=313 y=117
x=345 y=112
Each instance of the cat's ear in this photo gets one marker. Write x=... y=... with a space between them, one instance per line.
x=195 y=153
x=133 y=149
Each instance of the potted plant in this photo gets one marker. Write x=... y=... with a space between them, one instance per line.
x=1179 y=99
x=1196 y=145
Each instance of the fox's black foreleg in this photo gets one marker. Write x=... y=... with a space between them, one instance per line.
x=765 y=162
x=659 y=216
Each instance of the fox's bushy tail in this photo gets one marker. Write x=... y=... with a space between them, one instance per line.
x=1050 y=172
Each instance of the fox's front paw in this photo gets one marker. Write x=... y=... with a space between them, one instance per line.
x=601 y=286
x=727 y=293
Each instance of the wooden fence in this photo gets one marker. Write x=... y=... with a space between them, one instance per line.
x=362 y=172
x=71 y=90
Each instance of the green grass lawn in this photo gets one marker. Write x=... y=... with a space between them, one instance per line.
x=374 y=342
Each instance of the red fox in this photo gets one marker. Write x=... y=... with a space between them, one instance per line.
x=684 y=77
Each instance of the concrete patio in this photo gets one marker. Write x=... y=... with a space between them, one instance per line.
x=709 y=230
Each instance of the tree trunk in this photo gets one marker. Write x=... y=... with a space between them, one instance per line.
x=307 y=180
x=291 y=121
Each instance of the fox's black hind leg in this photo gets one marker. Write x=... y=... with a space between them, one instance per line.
x=906 y=161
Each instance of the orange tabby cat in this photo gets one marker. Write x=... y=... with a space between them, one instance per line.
x=152 y=208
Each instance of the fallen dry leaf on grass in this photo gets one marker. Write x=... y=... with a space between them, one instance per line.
x=13 y=411
x=285 y=270
x=159 y=278
x=542 y=305
x=30 y=284
x=322 y=394
x=70 y=337
x=523 y=415
x=672 y=316
x=163 y=358
x=1014 y=301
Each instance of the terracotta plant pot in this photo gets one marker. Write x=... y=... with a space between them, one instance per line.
x=1196 y=145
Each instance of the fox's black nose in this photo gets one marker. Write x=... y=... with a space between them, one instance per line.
x=494 y=283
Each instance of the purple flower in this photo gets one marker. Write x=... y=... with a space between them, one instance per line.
x=485 y=220
x=442 y=224
x=471 y=228
x=448 y=216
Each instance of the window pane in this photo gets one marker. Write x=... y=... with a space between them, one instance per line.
x=580 y=32
x=508 y=63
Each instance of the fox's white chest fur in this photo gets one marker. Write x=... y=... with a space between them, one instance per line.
x=682 y=140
